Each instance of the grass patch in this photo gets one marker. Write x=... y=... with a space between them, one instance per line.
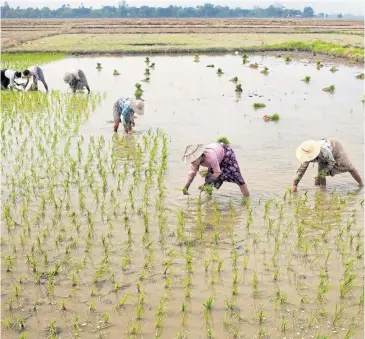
x=319 y=46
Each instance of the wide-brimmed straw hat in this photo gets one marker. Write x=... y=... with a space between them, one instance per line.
x=193 y=152
x=67 y=77
x=137 y=106
x=308 y=150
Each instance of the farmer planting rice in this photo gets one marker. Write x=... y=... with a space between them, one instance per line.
x=221 y=162
x=123 y=111
x=37 y=74
x=8 y=77
x=77 y=80
x=331 y=157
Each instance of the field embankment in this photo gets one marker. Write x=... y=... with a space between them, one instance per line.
x=121 y=36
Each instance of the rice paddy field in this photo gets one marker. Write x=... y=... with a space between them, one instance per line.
x=98 y=241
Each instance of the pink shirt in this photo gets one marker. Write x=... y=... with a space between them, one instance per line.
x=214 y=154
x=34 y=71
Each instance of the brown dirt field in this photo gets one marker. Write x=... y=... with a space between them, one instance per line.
x=16 y=32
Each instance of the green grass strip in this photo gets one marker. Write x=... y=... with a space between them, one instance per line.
x=318 y=46
x=20 y=61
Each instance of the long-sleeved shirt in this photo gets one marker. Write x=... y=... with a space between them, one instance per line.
x=122 y=110
x=10 y=74
x=326 y=161
x=213 y=156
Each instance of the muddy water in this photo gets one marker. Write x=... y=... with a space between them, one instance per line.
x=195 y=105
x=192 y=104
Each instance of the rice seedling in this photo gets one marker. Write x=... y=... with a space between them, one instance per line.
x=210 y=66
x=333 y=69
x=350 y=333
x=330 y=89
x=238 y=88
x=116 y=73
x=307 y=79
x=254 y=66
x=319 y=65
x=258 y=105
x=138 y=92
x=98 y=66
x=208 y=304
x=147 y=60
x=265 y=71
x=152 y=65
x=338 y=315
x=287 y=59
x=219 y=71
x=360 y=76
x=196 y=58
x=274 y=117
x=147 y=72
x=244 y=59
x=283 y=324
x=234 y=79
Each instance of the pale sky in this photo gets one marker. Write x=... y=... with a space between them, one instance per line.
x=329 y=6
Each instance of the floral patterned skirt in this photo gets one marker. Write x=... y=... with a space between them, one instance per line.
x=229 y=168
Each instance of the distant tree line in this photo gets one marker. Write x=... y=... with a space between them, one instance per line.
x=125 y=11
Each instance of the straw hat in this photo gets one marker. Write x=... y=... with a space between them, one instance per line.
x=308 y=150
x=193 y=152
x=137 y=106
x=67 y=77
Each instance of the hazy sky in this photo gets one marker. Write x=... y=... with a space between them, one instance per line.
x=330 y=6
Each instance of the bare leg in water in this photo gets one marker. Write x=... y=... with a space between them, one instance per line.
x=355 y=174
x=244 y=190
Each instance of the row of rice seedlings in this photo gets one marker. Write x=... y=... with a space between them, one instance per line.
x=62 y=169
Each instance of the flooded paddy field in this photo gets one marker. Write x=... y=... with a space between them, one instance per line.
x=98 y=240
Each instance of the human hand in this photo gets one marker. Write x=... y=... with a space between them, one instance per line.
x=185 y=191
x=316 y=181
x=294 y=188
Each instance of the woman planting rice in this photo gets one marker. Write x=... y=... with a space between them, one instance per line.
x=331 y=157
x=37 y=74
x=8 y=77
x=221 y=162
x=123 y=111
x=77 y=80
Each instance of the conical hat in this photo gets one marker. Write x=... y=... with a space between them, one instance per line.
x=308 y=150
x=137 y=106
x=193 y=152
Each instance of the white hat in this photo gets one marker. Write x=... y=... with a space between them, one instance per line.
x=67 y=77
x=137 y=106
x=193 y=152
x=308 y=150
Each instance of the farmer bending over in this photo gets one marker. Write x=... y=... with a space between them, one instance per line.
x=77 y=80
x=37 y=74
x=221 y=162
x=8 y=77
x=331 y=157
x=123 y=111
